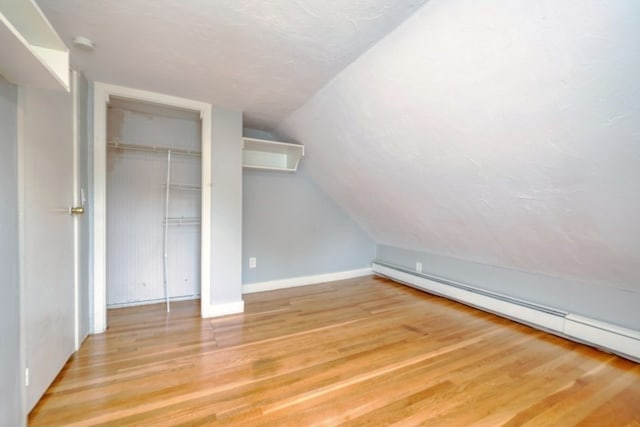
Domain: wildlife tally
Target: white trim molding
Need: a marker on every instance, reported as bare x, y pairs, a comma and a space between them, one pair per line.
623, 341
102, 94
602, 335
293, 282
216, 310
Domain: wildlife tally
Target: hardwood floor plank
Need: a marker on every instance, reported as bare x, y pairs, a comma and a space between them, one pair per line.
363, 351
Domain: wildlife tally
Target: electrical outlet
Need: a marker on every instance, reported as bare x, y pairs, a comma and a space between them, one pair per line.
252, 262
418, 266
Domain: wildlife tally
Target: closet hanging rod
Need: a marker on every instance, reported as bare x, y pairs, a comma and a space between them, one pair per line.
185, 187
153, 148
181, 220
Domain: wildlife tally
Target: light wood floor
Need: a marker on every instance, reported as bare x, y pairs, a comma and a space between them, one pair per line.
359, 352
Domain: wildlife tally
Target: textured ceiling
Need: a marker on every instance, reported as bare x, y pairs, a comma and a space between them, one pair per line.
501, 132
264, 57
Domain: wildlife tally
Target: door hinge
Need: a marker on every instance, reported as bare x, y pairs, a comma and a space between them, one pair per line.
26, 377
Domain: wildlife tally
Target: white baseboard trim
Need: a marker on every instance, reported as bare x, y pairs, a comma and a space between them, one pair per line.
215, 310
293, 282
623, 341
605, 336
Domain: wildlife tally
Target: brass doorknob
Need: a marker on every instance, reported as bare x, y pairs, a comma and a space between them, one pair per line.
76, 210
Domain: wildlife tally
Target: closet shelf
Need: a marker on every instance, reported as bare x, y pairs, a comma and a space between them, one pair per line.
32, 52
271, 155
181, 220
117, 145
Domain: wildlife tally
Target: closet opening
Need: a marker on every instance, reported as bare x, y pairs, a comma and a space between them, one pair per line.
153, 204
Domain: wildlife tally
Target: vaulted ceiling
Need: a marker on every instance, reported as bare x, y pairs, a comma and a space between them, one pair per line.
499, 131
495, 131
264, 57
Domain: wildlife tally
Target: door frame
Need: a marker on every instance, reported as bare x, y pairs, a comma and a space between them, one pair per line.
102, 93
80, 268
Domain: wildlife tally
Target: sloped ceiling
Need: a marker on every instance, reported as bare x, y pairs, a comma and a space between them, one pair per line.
496, 131
504, 132
264, 57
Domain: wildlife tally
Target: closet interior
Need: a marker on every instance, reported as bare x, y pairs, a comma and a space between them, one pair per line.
153, 203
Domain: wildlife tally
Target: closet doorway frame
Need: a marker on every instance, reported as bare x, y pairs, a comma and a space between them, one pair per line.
102, 93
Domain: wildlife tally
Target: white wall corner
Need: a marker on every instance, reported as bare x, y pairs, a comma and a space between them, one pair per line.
216, 310
293, 282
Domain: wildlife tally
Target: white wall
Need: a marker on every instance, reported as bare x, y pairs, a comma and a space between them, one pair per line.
226, 211
11, 411
572, 296
294, 229
497, 132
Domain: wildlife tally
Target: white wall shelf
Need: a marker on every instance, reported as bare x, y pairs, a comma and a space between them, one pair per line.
271, 155
31, 52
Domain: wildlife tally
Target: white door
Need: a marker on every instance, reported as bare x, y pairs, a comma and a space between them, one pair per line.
47, 250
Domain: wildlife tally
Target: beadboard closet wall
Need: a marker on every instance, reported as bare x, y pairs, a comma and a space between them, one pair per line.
153, 204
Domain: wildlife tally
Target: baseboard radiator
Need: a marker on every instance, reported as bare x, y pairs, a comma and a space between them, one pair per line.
604, 336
